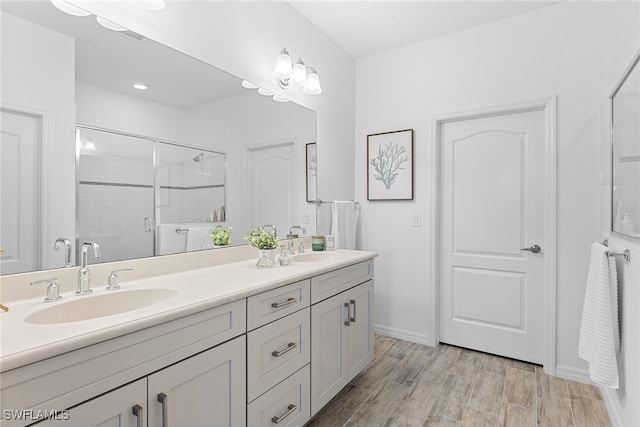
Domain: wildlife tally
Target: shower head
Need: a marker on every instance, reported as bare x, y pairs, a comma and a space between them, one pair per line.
198, 157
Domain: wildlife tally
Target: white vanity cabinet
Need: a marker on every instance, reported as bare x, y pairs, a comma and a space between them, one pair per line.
123, 407
342, 331
206, 389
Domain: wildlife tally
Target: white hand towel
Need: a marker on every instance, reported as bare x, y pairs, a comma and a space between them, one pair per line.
343, 225
599, 333
198, 238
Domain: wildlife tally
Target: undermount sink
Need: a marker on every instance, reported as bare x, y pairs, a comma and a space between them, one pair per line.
312, 257
93, 307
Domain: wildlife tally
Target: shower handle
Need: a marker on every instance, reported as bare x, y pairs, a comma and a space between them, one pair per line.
534, 249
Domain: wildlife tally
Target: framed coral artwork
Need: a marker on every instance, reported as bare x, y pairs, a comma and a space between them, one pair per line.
390, 165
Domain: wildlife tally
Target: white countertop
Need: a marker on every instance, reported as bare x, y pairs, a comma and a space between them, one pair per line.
22, 343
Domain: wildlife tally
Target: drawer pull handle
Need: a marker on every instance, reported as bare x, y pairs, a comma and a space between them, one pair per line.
289, 301
138, 412
348, 307
290, 347
290, 410
163, 399
353, 319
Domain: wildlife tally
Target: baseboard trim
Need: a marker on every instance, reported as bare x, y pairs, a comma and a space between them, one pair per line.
612, 403
404, 335
571, 373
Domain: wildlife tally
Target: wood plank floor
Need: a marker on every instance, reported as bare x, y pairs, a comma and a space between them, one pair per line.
412, 385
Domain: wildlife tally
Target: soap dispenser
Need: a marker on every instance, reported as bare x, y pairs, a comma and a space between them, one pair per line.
627, 224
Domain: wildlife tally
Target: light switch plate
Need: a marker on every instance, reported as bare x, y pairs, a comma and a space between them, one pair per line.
416, 219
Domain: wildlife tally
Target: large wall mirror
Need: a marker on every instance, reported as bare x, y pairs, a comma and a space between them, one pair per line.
88, 157
625, 152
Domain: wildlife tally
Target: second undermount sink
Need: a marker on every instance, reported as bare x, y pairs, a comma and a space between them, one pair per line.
93, 307
312, 257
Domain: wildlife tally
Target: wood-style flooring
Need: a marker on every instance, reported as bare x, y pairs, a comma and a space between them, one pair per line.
412, 385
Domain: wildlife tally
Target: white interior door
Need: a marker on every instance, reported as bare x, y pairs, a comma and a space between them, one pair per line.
492, 206
272, 187
20, 189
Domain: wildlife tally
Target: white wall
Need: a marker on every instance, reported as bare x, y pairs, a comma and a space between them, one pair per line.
27, 50
558, 50
244, 38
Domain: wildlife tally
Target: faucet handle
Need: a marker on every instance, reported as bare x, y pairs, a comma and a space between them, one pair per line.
113, 279
53, 290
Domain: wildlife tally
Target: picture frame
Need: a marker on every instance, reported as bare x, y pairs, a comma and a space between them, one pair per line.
390, 165
312, 170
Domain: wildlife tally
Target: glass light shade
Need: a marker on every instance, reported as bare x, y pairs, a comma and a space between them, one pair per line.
280, 98
264, 92
69, 8
248, 85
110, 25
282, 69
312, 87
299, 78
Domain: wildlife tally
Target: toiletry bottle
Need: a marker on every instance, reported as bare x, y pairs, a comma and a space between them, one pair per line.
627, 224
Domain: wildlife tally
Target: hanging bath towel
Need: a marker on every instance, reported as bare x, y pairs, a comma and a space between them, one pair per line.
343, 226
599, 333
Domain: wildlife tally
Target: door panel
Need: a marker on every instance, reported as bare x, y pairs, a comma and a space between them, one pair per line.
272, 191
20, 188
491, 292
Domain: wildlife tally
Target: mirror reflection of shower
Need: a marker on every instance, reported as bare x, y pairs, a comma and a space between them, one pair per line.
199, 158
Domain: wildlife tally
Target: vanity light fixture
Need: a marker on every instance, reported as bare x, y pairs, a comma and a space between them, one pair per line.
140, 86
296, 74
69, 8
249, 85
264, 92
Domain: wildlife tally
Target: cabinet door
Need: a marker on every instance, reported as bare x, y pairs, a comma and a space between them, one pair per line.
113, 409
329, 370
208, 389
360, 328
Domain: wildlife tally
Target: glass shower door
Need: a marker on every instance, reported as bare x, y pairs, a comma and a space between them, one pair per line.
115, 194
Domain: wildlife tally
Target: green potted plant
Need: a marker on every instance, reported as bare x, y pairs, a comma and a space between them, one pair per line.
265, 241
221, 236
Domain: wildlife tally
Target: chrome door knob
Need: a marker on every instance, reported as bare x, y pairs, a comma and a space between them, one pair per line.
534, 248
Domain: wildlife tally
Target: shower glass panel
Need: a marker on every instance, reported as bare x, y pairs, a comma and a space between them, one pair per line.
625, 150
191, 197
115, 194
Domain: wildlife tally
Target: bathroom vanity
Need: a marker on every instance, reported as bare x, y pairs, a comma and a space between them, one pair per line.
228, 345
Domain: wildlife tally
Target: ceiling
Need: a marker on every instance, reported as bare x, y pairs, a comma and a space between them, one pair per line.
365, 28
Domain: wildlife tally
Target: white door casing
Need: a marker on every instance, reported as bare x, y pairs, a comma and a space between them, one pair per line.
494, 186
20, 155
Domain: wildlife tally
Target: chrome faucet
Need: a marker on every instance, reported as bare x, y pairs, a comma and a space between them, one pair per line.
273, 227
294, 227
67, 245
84, 275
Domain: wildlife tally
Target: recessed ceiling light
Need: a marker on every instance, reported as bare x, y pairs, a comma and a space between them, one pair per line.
110, 25
69, 8
140, 86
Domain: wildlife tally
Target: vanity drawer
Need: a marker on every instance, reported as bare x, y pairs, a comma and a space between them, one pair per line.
332, 283
276, 303
291, 398
277, 350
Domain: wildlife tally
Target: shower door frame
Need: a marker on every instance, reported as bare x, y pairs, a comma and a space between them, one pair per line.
156, 186
548, 106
